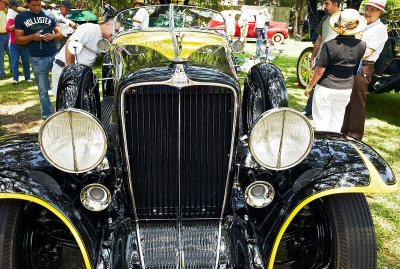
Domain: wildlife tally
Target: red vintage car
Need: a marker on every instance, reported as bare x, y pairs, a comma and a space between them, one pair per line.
277, 32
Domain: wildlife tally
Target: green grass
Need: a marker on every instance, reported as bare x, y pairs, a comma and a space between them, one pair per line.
19, 105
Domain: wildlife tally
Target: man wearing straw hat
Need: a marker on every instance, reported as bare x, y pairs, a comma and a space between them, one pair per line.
333, 76
375, 36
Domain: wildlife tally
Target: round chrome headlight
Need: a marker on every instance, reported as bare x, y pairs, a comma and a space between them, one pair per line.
73, 141
281, 138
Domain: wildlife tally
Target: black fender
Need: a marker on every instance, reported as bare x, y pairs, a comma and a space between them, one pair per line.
26, 175
268, 79
335, 165
78, 88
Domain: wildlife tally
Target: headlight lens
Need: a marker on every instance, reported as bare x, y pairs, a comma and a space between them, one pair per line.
281, 138
73, 141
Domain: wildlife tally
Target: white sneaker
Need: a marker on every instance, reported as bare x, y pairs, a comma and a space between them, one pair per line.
29, 80
50, 92
14, 82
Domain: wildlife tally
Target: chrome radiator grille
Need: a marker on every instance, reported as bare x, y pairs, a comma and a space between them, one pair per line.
178, 139
199, 244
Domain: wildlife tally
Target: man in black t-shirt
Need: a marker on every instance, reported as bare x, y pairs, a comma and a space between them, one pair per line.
38, 31
335, 69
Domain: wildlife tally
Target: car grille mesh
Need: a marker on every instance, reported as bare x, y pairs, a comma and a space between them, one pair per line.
178, 139
199, 244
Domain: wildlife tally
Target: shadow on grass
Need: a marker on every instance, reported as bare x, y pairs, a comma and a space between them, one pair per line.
25, 119
384, 106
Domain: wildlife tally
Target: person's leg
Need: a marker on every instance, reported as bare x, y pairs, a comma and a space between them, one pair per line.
308, 108
245, 31
14, 59
6, 45
25, 62
41, 67
340, 99
354, 120
258, 42
3, 39
321, 108
55, 77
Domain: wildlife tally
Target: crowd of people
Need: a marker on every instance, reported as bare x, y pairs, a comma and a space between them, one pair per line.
38, 35
343, 59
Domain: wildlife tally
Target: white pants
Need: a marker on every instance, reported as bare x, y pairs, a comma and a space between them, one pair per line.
55, 77
328, 108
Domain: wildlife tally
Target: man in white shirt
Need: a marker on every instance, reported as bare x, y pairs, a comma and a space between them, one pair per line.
243, 23
67, 26
375, 36
141, 18
89, 35
260, 24
230, 26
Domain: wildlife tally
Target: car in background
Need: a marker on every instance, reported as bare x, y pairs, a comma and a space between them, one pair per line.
277, 32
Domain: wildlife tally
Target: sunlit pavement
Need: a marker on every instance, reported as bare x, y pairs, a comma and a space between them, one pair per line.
290, 47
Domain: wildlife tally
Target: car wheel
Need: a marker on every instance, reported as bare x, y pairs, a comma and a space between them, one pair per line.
304, 71
264, 88
78, 89
106, 71
334, 232
33, 237
278, 38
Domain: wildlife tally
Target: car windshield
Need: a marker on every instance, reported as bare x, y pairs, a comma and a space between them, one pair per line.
168, 17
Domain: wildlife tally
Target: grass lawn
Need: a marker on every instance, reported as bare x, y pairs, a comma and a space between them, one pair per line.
20, 113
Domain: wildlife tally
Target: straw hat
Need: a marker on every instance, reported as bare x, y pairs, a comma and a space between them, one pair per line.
380, 4
348, 22
139, 2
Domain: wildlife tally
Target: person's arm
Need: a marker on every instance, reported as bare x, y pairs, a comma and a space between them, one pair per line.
22, 39
315, 51
71, 23
57, 34
318, 72
10, 26
368, 52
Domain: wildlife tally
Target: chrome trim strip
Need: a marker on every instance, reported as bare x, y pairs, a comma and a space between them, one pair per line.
139, 245
178, 210
219, 243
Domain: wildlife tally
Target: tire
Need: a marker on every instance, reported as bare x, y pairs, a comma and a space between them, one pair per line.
28, 239
303, 69
9, 210
278, 38
264, 88
106, 72
334, 232
78, 89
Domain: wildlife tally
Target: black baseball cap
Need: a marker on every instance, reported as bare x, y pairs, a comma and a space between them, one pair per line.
66, 4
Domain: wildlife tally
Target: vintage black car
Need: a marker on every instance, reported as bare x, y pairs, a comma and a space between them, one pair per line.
176, 167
